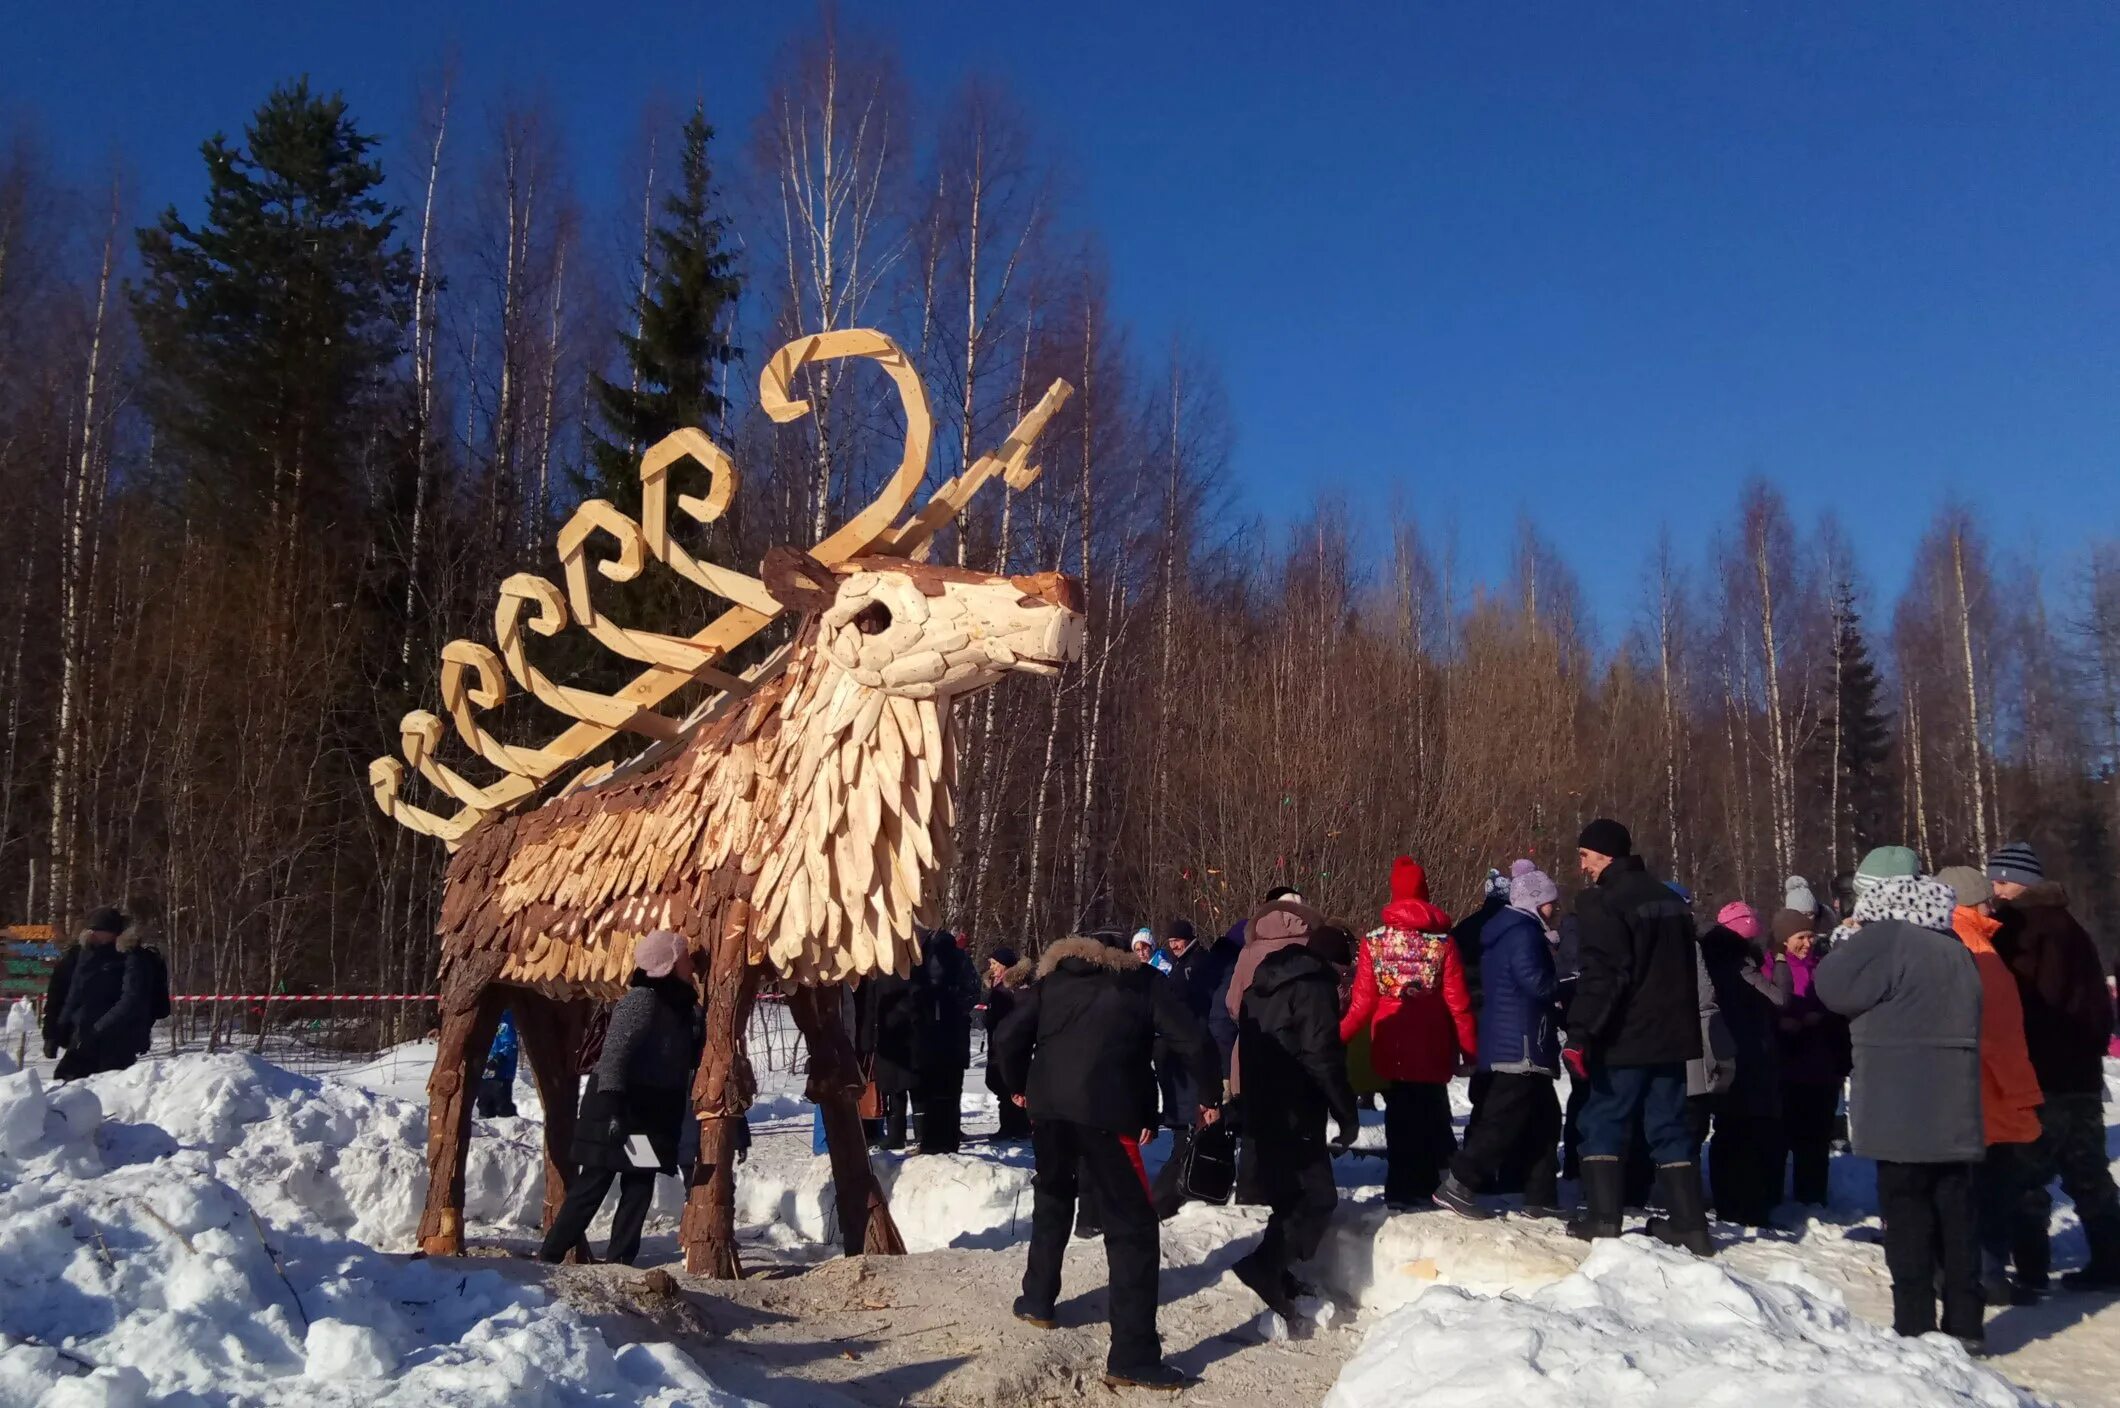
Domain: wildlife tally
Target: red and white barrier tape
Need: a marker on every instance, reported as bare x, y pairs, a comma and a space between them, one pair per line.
305, 997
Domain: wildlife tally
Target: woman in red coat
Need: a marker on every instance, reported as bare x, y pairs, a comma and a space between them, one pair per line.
1410, 996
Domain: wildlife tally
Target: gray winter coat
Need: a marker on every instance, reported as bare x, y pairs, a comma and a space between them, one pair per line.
1913, 995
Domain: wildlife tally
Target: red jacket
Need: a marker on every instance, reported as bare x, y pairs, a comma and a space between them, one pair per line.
1409, 989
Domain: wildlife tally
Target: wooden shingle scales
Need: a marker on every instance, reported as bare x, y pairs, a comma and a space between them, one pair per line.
793, 829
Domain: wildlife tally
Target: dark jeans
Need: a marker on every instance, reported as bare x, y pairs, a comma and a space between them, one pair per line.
896, 1107
1572, 1129
1807, 1114
496, 1098
2003, 1205
1745, 1160
585, 1194
1930, 1225
1520, 1119
1295, 1182
1621, 1094
1073, 1159
2072, 1147
1418, 1140
942, 1113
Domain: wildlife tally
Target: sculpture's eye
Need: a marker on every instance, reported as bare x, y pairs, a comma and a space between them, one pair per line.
873, 619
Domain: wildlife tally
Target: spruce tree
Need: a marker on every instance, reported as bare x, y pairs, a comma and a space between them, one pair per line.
272, 328
1865, 731
684, 340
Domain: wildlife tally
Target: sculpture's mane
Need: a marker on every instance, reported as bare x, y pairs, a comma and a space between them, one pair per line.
798, 796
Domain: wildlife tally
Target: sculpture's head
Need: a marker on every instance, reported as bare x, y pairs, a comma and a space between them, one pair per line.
925, 632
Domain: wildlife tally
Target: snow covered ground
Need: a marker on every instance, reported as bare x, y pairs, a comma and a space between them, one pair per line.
212, 1229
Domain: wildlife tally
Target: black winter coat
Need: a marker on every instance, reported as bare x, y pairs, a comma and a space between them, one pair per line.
1295, 1069
2068, 1014
1081, 1043
1467, 934
1637, 998
112, 994
886, 1018
1202, 970
1751, 1004
945, 990
641, 1080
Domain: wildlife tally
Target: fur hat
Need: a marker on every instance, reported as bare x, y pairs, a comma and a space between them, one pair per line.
1740, 919
1607, 837
1408, 880
657, 953
1530, 887
1971, 887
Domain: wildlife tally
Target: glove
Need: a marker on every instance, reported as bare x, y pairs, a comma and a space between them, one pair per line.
1576, 1061
1344, 1140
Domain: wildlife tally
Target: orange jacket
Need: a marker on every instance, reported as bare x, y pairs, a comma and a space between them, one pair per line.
2009, 1089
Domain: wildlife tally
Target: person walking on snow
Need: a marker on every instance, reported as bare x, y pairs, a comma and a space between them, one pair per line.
1519, 1053
1294, 1078
105, 996
1410, 996
1221, 1012
2068, 1020
1745, 1155
1815, 1059
1634, 1024
1912, 995
1080, 1045
636, 1093
2009, 1093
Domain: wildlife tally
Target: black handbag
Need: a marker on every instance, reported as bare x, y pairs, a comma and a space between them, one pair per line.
1210, 1174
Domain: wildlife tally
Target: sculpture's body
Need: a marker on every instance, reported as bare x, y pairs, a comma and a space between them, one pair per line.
791, 830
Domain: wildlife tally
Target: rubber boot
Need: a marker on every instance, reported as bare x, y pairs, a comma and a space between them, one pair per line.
1604, 1184
1686, 1225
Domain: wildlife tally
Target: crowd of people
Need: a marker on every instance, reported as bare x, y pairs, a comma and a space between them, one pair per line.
1964, 1016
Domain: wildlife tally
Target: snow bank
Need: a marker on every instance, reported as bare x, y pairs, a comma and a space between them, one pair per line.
1646, 1325
194, 1249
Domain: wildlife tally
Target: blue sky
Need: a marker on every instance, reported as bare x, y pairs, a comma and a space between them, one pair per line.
1594, 262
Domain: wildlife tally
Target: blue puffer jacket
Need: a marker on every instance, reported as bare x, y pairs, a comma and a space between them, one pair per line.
1517, 1027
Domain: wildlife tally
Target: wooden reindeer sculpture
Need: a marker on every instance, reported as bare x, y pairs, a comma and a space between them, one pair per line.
791, 830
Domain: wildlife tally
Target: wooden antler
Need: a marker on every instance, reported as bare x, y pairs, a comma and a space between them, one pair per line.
672, 661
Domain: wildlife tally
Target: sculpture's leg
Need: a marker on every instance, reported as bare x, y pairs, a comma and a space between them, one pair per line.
470, 1013
551, 1033
865, 1223
720, 1096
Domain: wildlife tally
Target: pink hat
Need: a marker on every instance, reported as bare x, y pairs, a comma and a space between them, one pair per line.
657, 953
1740, 919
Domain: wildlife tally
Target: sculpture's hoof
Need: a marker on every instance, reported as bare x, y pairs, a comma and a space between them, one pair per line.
442, 1244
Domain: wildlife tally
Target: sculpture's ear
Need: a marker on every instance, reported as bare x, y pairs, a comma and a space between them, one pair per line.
798, 581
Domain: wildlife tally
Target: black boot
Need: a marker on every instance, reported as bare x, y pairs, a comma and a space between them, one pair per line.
1687, 1224
1604, 1183
2033, 1254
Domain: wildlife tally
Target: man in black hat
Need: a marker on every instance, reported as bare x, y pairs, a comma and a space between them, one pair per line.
105, 997
1633, 1026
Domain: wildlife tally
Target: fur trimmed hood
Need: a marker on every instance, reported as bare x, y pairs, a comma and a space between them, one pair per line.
1089, 951
1019, 974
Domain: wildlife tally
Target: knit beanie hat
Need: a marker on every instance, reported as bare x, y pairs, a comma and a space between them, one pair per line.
1530, 887
1408, 880
1971, 886
657, 953
2018, 863
1740, 919
1796, 894
107, 920
1496, 884
1005, 956
1144, 937
1179, 929
1607, 837
1284, 892
1885, 863
1788, 923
